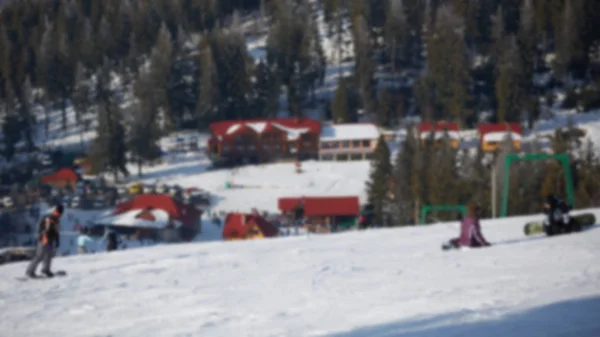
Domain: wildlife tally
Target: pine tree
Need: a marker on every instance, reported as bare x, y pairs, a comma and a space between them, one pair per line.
444, 178
209, 94
397, 34
265, 90
27, 115
418, 185
498, 33
569, 49
402, 176
293, 52
108, 150
364, 65
386, 108
342, 107
508, 84
161, 62
587, 192
82, 94
10, 130
57, 70
144, 134
378, 186
527, 49
449, 65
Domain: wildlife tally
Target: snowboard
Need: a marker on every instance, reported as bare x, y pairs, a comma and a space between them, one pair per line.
581, 221
60, 273
448, 246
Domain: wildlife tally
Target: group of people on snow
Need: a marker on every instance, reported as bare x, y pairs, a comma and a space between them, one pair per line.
557, 221
48, 241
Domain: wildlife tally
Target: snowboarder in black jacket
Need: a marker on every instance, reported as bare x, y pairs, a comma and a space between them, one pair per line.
48, 236
557, 219
112, 241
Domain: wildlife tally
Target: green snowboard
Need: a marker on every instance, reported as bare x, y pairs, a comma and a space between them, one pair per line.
581, 221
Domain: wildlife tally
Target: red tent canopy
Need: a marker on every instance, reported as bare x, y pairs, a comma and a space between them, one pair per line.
187, 214
64, 174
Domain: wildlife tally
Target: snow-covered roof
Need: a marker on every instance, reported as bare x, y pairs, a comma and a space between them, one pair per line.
359, 131
293, 127
233, 128
130, 219
258, 127
500, 136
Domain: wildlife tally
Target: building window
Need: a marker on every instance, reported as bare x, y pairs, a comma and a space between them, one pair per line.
327, 157
342, 157
356, 144
345, 144
366, 143
356, 156
369, 155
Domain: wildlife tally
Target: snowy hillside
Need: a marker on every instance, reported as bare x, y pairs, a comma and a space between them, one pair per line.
390, 282
260, 186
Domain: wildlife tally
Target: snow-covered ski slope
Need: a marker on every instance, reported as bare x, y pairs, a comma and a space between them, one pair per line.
377, 283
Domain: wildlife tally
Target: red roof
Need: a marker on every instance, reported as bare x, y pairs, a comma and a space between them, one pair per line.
63, 174
236, 225
323, 206
500, 127
229, 128
440, 126
188, 215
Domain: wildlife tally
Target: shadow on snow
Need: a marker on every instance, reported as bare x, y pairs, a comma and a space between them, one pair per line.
569, 318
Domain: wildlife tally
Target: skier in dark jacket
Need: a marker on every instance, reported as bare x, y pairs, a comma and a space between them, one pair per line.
557, 218
112, 241
48, 231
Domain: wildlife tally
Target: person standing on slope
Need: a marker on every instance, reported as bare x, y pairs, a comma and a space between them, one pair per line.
470, 230
48, 241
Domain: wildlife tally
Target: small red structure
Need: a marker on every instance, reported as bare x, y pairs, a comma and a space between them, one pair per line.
492, 135
241, 226
332, 212
426, 128
189, 216
62, 178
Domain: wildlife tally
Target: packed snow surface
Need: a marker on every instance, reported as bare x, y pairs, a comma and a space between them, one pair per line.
376, 283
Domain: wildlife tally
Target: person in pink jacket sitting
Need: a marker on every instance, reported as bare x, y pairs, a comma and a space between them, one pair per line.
470, 231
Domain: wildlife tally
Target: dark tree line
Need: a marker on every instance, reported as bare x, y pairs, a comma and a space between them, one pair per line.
432, 172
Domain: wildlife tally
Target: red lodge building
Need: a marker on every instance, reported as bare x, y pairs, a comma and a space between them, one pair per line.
264, 140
